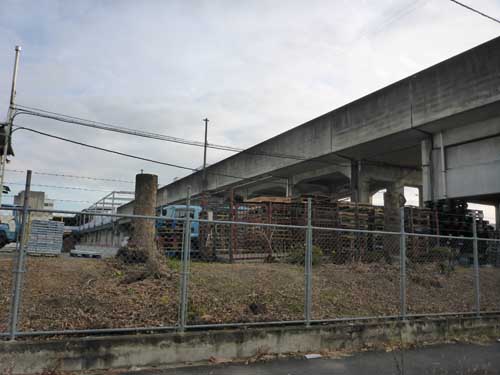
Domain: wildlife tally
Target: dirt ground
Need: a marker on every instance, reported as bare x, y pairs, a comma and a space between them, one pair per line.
74, 293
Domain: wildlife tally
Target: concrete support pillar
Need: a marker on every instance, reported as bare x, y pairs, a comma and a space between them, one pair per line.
289, 187
497, 215
360, 186
420, 197
393, 201
364, 193
427, 183
354, 181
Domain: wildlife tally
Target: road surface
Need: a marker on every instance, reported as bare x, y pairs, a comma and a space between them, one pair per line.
447, 359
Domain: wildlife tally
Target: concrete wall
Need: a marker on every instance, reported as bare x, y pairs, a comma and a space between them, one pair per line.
92, 353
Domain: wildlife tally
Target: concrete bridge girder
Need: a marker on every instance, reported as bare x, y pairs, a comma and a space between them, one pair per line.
386, 126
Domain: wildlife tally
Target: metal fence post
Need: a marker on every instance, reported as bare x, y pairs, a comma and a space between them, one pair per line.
402, 265
20, 266
186, 250
477, 291
308, 265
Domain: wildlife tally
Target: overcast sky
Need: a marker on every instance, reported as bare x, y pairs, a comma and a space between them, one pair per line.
254, 68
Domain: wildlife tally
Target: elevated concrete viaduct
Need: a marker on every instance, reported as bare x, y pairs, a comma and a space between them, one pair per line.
438, 130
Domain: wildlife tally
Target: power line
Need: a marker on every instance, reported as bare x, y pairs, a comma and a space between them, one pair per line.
390, 18
52, 199
32, 111
60, 187
54, 174
247, 179
125, 154
476, 11
116, 128
110, 127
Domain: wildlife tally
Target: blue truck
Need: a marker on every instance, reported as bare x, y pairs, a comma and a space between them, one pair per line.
169, 232
8, 232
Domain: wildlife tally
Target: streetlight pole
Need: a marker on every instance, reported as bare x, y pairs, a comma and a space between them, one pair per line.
10, 118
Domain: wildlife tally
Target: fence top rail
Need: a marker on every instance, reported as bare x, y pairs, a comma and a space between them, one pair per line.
406, 234
245, 223
89, 213
452, 237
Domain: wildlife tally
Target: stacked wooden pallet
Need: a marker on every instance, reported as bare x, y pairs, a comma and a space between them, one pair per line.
446, 218
169, 236
418, 221
246, 241
45, 237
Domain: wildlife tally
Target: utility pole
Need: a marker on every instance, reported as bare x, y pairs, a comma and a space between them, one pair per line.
10, 119
205, 153
204, 176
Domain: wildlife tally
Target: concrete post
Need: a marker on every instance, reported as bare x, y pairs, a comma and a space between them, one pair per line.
143, 238
360, 186
289, 186
442, 158
497, 215
364, 193
427, 188
393, 201
355, 166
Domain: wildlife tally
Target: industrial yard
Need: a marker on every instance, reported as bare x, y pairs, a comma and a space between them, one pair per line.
233, 180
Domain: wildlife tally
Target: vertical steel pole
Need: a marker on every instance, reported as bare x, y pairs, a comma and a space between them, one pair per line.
10, 119
204, 183
231, 228
476, 267
19, 270
186, 249
402, 265
308, 265
205, 153
113, 220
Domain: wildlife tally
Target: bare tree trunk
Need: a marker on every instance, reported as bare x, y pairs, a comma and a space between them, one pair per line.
144, 232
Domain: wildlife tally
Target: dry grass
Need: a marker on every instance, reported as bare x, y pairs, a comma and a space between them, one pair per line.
68, 293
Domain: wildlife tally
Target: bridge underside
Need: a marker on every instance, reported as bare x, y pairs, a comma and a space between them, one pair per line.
437, 130
471, 169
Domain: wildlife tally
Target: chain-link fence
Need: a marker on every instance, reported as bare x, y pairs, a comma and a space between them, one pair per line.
489, 274
117, 272
6, 275
101, 275
440, 274
355, 274
256, 274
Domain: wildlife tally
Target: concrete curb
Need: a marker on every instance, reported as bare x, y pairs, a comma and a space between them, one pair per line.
145, 350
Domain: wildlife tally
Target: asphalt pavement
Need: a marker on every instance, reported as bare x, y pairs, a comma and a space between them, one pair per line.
470, 359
